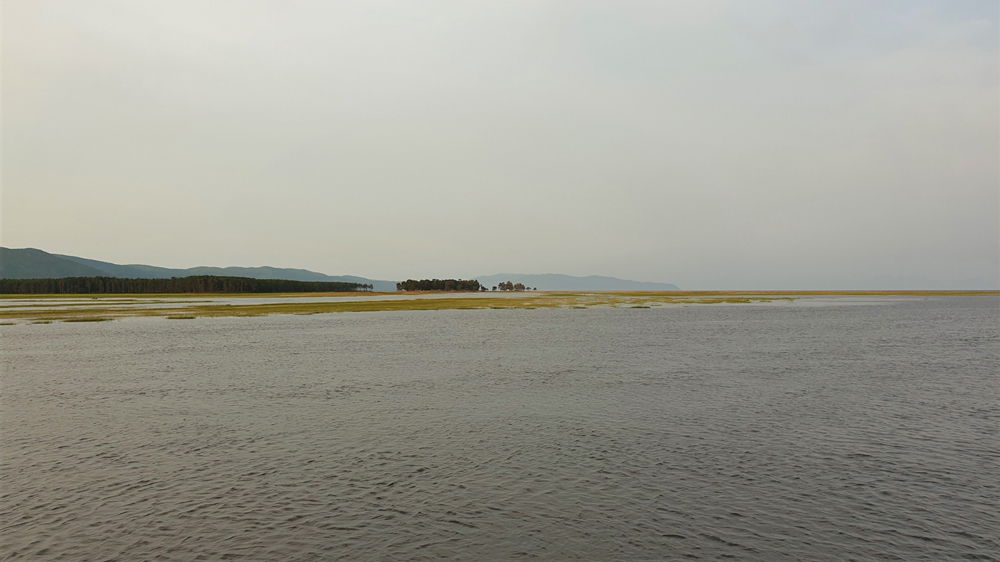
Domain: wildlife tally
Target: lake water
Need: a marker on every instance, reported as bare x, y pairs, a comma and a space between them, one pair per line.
763, 432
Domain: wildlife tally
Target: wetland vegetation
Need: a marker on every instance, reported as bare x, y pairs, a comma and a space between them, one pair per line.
33, 309
105, 309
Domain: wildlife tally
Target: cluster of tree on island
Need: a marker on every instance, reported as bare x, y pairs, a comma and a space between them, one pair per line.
193, 284
456, 285
508, 286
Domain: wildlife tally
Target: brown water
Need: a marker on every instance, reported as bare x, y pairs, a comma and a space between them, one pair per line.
827, 432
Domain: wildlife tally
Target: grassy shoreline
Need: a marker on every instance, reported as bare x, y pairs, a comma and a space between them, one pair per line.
188, 306
83, 296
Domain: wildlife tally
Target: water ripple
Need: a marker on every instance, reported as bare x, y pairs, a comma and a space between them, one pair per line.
761, 433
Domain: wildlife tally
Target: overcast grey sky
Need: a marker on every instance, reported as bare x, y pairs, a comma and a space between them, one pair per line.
711, 144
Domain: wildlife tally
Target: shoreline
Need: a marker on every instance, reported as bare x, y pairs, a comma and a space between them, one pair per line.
43, 309
935, 292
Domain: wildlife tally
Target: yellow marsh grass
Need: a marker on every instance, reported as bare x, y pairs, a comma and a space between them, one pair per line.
89, 312
71, 313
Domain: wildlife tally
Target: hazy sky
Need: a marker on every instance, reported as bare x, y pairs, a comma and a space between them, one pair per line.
715, 145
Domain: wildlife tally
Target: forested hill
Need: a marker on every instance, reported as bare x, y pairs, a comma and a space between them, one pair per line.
29, 263
193, 284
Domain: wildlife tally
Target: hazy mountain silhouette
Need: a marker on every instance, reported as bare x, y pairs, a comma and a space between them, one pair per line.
557, 282
29, 263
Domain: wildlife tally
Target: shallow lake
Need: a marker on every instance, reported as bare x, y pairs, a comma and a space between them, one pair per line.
760, 432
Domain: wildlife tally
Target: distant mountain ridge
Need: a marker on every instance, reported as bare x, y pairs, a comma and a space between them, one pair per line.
30, 263
558, 282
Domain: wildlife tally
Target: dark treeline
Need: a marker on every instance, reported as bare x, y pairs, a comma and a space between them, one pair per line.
456, 285
508, 286
439, 285
193, 284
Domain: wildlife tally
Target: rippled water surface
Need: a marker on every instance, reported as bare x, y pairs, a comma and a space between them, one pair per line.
828, 432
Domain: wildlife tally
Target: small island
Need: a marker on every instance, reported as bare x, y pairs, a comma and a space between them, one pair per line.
464, 285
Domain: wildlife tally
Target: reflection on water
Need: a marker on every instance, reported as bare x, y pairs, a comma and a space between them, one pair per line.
769, 432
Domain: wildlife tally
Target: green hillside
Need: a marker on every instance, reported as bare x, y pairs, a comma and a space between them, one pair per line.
29, 263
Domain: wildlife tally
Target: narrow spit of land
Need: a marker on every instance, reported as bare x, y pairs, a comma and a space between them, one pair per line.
19, 309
